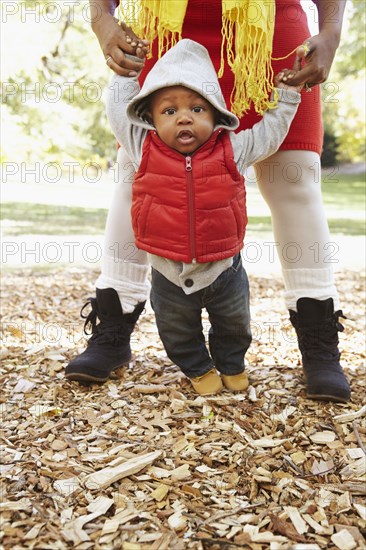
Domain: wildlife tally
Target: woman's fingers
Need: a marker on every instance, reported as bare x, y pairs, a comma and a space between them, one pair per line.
297, 66
123, 65
304, 49
119, 40
298, 78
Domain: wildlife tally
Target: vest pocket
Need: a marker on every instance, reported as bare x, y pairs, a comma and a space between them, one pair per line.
141, 221
239, 210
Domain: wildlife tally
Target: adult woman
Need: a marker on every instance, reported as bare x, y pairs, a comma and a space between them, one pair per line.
295, 202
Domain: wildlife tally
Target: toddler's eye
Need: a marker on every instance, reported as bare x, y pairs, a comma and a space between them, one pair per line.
197, 109
169, 111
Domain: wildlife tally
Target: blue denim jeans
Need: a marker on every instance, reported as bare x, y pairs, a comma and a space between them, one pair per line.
179, 322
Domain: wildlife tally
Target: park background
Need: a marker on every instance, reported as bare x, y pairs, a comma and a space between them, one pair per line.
265, 462
57, 146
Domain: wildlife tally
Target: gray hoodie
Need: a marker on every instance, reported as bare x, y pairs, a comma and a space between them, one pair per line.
188, 64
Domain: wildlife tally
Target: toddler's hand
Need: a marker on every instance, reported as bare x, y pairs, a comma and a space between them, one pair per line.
141, 48
280, 80
284, 77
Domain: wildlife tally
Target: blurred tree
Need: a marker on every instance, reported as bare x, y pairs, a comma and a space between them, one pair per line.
343, 107
351, 54
57, 104
330, 145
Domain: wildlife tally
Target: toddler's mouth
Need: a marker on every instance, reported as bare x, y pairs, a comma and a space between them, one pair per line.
185, 136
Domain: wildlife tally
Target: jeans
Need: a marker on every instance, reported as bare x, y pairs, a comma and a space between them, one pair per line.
179, 322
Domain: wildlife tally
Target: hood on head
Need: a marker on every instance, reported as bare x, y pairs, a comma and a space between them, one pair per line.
186, 64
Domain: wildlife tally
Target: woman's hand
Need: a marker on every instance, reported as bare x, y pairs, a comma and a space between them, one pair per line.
117, 40
316, 56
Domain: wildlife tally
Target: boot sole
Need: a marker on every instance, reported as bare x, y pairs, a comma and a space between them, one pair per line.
332, 398
83, 377
75, 377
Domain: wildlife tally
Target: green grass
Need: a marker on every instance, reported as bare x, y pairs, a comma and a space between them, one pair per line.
345, 193
345, 226
40, 219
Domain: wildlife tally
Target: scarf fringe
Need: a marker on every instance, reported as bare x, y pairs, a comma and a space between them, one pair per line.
147, 23
250, 62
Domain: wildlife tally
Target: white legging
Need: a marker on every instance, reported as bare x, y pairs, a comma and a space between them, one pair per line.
290, 184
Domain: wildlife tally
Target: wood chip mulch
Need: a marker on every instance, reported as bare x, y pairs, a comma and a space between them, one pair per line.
142, 462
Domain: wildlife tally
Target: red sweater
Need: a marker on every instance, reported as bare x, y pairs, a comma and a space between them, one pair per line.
189, 207
202, 23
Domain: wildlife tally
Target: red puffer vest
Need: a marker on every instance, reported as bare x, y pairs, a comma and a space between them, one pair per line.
189, 208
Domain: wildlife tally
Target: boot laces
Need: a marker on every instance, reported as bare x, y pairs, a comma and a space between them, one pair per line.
336, 316
315, 341
91, 318
106, 331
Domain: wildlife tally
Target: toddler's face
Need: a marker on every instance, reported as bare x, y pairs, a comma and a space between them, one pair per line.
183, 119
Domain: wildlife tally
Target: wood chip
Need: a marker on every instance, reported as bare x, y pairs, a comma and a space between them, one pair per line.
355, 452
151, 388
182, 472
24, 386
267, 442
349, 417
323, 437
355, 470
286, 528
361, 509
296, 519
45, 410
354, 531
160, 492
343, 540
177, 521
107, 476
181, 444
73, 531
34, 532
22, 504
322, 467
284, 415
298, 458
68, 486
59, 445
320, 529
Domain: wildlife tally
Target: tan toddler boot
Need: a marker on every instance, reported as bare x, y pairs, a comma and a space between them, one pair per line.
235, 382
207, 384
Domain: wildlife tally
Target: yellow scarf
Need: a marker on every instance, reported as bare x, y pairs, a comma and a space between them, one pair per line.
247, 34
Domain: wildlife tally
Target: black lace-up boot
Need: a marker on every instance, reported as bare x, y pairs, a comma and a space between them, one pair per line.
109, 346
317, 327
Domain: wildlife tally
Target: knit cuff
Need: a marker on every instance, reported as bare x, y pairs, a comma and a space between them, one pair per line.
288, 96
309, 283
129, 280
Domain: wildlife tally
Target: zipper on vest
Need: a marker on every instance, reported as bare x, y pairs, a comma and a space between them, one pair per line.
191, 217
